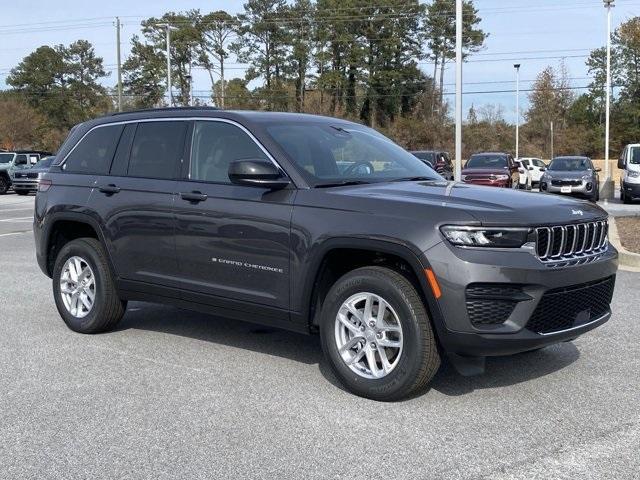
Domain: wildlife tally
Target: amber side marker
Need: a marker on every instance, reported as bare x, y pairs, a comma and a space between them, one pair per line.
433, 283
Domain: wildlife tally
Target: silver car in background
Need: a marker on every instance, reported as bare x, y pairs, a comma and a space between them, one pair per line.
572, 175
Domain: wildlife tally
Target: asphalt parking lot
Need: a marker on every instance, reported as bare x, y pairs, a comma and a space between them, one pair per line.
175, 394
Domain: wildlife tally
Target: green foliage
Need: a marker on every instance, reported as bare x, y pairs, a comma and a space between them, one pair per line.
62, 83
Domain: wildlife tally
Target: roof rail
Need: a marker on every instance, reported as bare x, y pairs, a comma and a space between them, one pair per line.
165, 109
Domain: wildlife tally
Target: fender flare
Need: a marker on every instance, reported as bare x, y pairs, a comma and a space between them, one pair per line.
80, 217
414, 259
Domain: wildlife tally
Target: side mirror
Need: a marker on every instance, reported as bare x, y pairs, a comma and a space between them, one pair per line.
597, 169
257, 173
530, 168
621, 164
542, 169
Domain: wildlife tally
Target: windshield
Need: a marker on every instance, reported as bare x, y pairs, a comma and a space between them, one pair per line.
327, 154
427, 156
569, 164
44, 163
6, 157
634, 155
487, 161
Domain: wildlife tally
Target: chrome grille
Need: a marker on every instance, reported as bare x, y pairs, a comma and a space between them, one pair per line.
568, 242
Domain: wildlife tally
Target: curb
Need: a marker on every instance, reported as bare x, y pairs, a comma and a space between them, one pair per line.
625, 257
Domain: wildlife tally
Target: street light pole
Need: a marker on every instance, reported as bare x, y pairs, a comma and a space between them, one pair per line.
119, 64
168, 53
608, 4
458, 166
517, 67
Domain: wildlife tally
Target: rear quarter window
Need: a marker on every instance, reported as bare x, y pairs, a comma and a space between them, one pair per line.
94, 152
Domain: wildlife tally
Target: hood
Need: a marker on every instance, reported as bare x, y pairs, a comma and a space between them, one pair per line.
485, 171
488, 205
568, 175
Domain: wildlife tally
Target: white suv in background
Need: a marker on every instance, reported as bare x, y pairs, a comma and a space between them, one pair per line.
535, 166
629, 163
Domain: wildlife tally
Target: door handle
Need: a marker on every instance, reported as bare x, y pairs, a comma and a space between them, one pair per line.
193, 196
109, 189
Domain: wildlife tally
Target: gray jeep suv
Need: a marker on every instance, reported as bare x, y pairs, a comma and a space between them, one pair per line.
316, 225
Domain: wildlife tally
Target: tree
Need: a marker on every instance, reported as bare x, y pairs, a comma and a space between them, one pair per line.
440, 33
300, 32
145, 72
20, 125
185, 39
62, 83
550, 101
263, 44
84, 71
216, 32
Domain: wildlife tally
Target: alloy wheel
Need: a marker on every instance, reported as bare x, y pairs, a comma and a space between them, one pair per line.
77, 286
368, 335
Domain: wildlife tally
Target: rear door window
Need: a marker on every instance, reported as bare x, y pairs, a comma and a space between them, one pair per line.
215, 146
93, 154
157, 149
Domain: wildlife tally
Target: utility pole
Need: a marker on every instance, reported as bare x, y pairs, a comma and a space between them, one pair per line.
119, 64
517, 67
608, 4
458, 166
190, 79
551, 140
168, 53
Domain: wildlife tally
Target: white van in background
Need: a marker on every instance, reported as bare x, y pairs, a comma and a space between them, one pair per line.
629, 162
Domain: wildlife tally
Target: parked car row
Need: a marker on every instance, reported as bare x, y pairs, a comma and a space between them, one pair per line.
15, 161
572, 175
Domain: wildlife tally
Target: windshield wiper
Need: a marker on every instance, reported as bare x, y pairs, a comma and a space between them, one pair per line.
341, 184
412, 179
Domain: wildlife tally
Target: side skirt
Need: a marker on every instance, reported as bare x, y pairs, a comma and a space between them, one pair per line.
212, 305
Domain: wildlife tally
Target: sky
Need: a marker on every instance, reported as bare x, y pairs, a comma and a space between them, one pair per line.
533, 33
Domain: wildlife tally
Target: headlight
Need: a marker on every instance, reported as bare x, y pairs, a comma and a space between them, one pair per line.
633, 174
485, 236
586, 178
501, 177
463, 178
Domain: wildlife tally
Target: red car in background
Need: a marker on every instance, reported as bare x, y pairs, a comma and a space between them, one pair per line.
491, 169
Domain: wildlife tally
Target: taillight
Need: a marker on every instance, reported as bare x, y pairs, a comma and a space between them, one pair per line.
44, 185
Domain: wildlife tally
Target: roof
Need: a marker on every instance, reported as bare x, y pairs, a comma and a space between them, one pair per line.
490, 153
249, 115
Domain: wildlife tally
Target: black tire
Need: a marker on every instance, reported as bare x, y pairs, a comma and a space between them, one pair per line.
625, 198
419, 360
4, 185
107, 309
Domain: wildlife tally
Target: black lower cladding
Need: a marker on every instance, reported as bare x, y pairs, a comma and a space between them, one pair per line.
492, 304
567, 307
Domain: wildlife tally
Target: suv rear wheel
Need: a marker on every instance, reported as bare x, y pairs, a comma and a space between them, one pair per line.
83, 288
377, 336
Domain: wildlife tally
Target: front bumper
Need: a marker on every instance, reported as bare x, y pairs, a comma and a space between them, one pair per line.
575, 189
25, 184
456, 269
489, 183
631, 189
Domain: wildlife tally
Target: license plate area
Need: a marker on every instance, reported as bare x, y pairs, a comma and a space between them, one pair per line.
565, 189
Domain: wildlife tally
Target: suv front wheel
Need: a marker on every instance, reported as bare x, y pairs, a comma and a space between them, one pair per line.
376, 334
83, 288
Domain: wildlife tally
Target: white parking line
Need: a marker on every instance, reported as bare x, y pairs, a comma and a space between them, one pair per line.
16, 219
2, 210
14, 233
